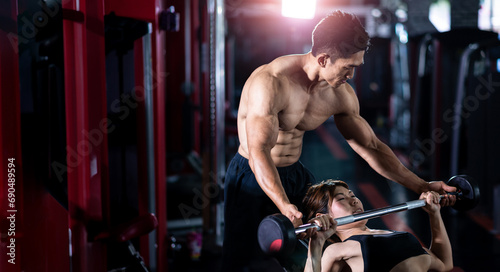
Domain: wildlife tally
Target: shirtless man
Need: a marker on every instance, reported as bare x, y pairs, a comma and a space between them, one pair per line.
280, 101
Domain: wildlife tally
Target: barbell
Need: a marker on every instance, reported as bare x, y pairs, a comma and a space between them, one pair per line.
277, 235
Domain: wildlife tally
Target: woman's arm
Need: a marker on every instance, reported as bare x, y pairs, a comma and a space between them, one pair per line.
314, 253
440, 243
317, 241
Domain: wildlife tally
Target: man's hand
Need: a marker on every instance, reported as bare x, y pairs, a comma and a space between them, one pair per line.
442, 188
293, 214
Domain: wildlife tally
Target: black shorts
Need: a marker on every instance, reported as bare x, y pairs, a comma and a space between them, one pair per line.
246, 204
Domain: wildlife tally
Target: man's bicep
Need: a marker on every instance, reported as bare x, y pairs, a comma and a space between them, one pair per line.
355, 129
262, 131
264, 103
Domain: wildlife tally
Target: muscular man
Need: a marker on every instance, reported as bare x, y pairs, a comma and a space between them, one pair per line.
280, 101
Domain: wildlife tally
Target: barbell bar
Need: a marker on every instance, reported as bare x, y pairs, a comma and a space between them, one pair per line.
368, 214
277, 235
409, 205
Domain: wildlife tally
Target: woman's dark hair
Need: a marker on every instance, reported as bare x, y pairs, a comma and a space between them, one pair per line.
340, 34
319, 198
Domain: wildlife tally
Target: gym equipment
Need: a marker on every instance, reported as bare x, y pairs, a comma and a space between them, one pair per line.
277, 235
119, 238
468, 193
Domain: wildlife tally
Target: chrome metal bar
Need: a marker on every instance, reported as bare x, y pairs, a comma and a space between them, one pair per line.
305, 227
368, 214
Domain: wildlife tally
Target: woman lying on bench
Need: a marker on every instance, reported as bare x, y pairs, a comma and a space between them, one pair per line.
355, 247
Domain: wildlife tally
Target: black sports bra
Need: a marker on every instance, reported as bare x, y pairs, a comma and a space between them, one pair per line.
381, 252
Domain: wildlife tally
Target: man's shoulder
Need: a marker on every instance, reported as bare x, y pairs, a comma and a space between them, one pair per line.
281, 71
270, 75
263, 77
283, 66
346, 100
346, 90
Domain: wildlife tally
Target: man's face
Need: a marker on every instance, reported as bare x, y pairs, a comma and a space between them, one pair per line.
339, 70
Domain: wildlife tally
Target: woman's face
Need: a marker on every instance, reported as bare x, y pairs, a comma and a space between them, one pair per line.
345, 203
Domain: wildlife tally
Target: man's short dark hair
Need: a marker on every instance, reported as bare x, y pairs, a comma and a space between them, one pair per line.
339, 34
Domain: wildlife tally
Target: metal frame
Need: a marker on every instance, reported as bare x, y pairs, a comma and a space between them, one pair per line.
85, 90
85, 109
220, 98
215, 166
460, 95
154, 72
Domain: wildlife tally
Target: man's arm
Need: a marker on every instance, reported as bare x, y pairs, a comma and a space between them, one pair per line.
262, 128
379, 156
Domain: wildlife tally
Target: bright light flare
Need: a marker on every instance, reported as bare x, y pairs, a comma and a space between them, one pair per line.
439, 15
301, 9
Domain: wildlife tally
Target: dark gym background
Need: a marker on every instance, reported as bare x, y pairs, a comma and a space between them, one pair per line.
114, 111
